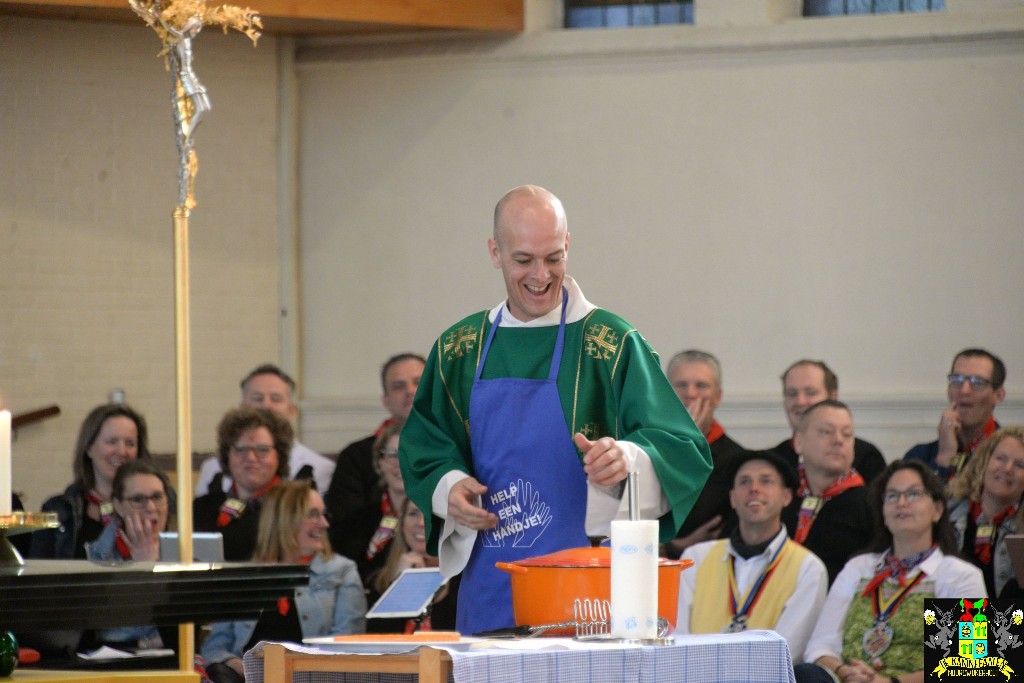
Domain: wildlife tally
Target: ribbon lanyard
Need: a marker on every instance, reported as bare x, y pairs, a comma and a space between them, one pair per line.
755, 590
986, 531
106, 507
809, 510
883, 609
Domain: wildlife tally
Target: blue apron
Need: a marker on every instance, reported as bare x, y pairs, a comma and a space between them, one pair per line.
524, 454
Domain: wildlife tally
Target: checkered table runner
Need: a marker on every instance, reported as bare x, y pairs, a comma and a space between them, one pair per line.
751, 657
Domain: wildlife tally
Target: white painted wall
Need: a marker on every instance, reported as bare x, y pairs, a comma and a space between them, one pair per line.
846, 189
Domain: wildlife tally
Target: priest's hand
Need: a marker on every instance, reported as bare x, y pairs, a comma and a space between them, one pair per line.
463, 507
603, 461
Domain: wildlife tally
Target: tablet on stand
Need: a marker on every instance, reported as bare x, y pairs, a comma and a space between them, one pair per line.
410, 595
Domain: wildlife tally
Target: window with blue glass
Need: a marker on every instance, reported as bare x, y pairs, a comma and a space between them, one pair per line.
621, 13
832, 8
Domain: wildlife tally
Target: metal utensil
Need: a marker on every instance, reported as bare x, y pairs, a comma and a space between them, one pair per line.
524, 631
633, 491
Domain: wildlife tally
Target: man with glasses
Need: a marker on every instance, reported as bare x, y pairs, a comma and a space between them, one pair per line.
270, 387
974, 389
829, 514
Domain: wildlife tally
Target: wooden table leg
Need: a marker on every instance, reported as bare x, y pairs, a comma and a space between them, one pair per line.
275, 664
432, 667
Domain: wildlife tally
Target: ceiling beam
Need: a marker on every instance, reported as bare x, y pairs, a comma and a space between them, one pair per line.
317, 16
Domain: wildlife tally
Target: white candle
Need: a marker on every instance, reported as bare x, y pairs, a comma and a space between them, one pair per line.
5, 462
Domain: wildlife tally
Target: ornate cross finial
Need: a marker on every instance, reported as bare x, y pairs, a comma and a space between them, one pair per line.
177, 22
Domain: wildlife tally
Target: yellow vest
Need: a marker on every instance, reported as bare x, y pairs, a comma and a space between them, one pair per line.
711, 613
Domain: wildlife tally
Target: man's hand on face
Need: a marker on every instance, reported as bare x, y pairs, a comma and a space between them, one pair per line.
949, 428
703, 413
463, 508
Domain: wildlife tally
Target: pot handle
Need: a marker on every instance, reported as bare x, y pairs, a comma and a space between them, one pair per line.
511, 568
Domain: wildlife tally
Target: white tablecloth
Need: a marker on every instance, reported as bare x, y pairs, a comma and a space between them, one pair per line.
751, 657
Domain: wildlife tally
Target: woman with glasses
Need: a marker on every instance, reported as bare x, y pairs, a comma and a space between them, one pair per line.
292, 529
871, 627
408, 550
110, 436
366, 533
985, 506
141, 496
250, 444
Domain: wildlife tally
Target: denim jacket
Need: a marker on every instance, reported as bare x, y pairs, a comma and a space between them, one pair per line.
334, 603
103, 550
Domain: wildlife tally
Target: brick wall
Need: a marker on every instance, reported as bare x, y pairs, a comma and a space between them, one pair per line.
87, 186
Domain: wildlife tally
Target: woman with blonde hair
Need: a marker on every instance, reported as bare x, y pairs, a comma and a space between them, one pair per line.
292, 529
985, 507
369, 528
408, 550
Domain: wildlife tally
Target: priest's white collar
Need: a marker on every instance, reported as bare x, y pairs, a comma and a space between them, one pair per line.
577, 308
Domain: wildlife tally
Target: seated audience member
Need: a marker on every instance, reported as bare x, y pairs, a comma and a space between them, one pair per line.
408, 550
985, 500
829, 514
250, 442
974, 389
292, 529
141, 497
805, 383
355, 486
370, 529
781, 585
110, 436
697, 378
883, 592
268, 386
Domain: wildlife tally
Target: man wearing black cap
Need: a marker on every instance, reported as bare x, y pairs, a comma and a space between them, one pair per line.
751, 580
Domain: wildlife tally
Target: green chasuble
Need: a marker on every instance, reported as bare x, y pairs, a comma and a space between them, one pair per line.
610, 384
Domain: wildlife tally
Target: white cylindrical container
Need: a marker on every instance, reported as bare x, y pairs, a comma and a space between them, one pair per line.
634, 579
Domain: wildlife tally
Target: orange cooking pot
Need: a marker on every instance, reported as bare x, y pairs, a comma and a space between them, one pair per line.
544, 588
